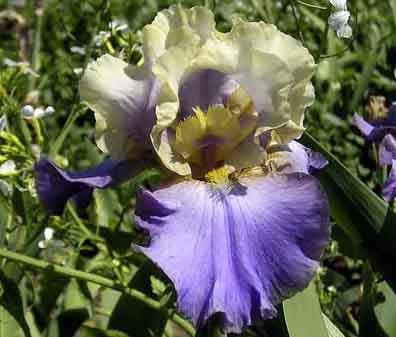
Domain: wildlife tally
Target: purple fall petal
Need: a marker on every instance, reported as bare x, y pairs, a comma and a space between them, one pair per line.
204, 88
389, 188
237, 250
387, 150
56, 186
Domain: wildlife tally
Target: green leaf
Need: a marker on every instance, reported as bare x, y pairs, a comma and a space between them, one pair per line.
86, 331
12, 317
134, 317
359, 212
386, 311
303, 314
32, 324
368, 323
392, 4
76, 309
332, 330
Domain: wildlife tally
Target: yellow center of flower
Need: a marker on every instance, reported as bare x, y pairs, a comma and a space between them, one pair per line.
376, 108
215, 133
219, 175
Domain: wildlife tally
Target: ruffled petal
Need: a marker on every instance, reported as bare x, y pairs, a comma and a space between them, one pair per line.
56, 186
238, 249
387, 150
389, 188
295, 157
273, 68
364, 127
176, 27
123, 98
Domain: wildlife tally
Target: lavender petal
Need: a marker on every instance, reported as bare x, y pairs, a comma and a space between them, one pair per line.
56, 186
237, 250
387, 150
389, 188
204, 88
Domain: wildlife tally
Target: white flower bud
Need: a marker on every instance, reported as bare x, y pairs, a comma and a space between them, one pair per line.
27, 112
49, 110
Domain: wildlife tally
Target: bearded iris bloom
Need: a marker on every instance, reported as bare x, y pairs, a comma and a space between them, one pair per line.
241, 223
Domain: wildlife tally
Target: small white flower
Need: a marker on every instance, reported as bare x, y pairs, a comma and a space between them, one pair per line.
78, 50
24, 66
101, 37
78, 71
7, 168
49, 110
29, 113
49, 240
338, 21
3, 123
118, 25
49, 233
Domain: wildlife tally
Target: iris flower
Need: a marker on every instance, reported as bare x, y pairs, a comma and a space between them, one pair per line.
380, 129
241, 223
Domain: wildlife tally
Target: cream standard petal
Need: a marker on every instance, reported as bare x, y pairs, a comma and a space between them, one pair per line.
176, 26
273, 68
123, 98
277, 76
228, 49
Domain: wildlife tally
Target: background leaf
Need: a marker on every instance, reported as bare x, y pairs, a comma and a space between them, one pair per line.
136, 318
303, 314
332, 330
12, 317
385, 310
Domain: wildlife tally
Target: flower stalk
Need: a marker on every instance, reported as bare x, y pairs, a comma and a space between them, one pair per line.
97, 279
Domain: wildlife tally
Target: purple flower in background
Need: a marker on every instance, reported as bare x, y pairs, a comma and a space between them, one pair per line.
56, 186
380, 131
389, 188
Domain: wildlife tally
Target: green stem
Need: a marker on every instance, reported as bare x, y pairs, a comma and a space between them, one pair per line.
296, 19
323, 40
36, 61
77, 109
93, 278
303, 3
264, 15
210, 4
78, 221
65, 131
